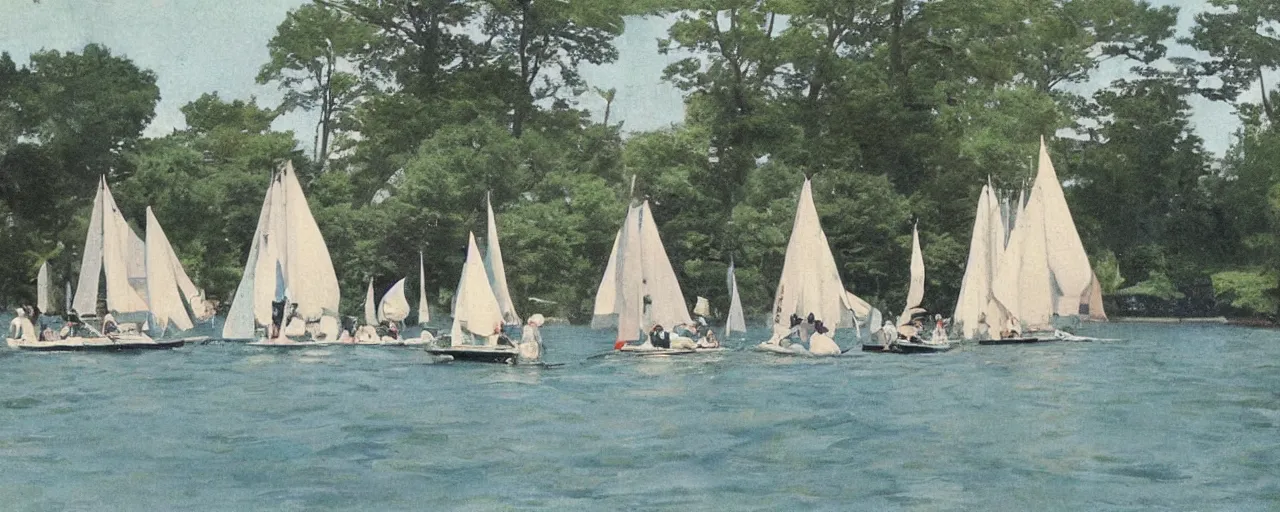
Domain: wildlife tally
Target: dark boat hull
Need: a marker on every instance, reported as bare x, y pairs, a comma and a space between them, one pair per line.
906, 348
1012, 341
114, 347
476, 355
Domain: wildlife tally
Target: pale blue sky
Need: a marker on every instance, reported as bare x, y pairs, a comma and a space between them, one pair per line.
198, 46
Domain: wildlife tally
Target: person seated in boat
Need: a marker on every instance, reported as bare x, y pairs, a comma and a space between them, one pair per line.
1011, 328
47, 334
708, 341
20, 327
393, 331
109, 325
659, 338
939, 330
982, 331
820, 343
277, 318
531, 339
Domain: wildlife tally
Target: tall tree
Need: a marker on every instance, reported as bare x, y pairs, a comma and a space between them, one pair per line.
313, 55
1243, 37
543, 43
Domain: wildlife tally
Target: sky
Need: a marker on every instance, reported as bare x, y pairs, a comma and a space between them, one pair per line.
199, 46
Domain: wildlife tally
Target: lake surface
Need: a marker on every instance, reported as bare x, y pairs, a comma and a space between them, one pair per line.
1173, 417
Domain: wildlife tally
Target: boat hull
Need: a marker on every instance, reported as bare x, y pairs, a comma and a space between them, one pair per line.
908, 348
501, 355
94, 345
1011, 341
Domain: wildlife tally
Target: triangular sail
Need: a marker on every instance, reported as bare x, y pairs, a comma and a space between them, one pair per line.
86, 299
1064, 251
629, 301
424, 313
497, 271
986, 243
915, 292
288, 239
810, 281
702, 307
605, 313
162, 286
240, 321
736, 320
659, 278
475, 308
394, 307
42, 287
370, 311
1094, 301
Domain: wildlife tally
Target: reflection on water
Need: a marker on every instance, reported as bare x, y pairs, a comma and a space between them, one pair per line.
1175, 417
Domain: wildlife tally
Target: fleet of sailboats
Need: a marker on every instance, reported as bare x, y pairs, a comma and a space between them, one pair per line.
1026, 266
1040, 271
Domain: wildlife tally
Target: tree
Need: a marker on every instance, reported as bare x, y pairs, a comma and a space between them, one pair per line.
1243, 37
308, 52
542, 43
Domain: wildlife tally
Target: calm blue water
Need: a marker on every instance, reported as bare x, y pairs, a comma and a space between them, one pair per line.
1175, 417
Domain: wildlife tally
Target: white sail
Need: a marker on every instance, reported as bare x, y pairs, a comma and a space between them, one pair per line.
1035, 283
975, 287
424, 314
86, 300
1065, 253
497, 271
915, 292
736, 320
394, 307
476, 309
702, 307
162, 284
605, 313
370, 310
286, 237
639, 288
243, 315
118, 255
42, 287
629, 301
310, 270
810, 281
659, 278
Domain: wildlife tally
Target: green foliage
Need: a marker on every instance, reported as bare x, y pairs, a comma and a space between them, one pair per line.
1157, 285
1107, 268
1251, 291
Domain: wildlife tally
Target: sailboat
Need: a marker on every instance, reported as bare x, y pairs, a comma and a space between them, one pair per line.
367, 333
915, 297
975, 309
736, 321
1044, 271
170, 292
288, 263
113, 250
810, 284
639, 290
393, 309
477, 317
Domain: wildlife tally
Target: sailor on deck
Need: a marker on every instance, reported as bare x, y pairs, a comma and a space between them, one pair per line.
531, 339
20, 328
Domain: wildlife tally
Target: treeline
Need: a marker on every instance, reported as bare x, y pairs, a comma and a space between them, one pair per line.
900, 110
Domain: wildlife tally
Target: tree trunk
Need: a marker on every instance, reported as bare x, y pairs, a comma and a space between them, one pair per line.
525, 97
1266, 102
